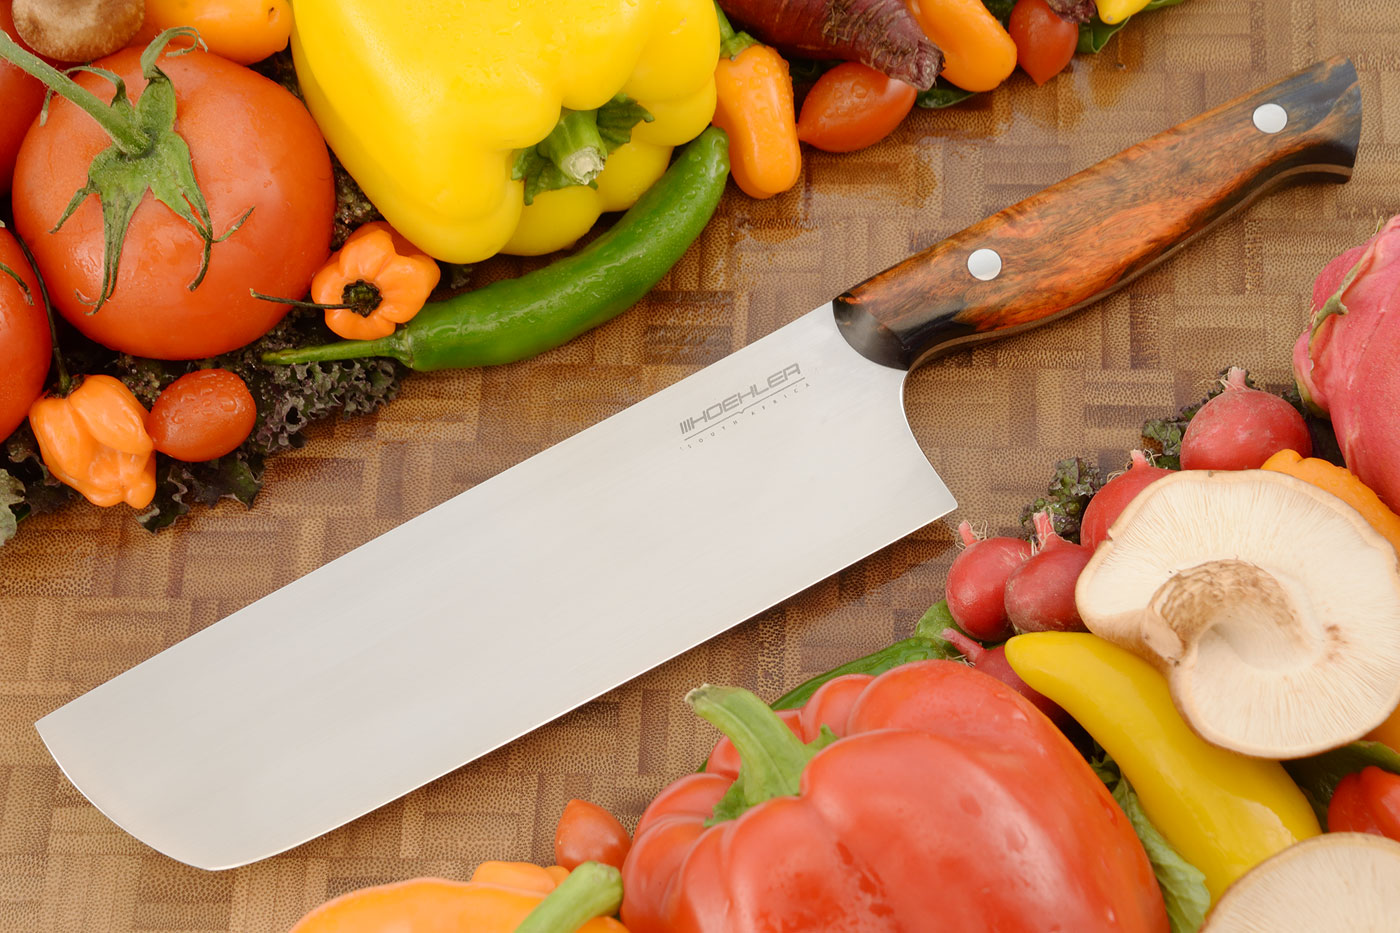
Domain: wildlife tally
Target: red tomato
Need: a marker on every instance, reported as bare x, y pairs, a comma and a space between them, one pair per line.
253, 145
588, 833
853, 106
202, 415
25, 347
22, 96
1045, 40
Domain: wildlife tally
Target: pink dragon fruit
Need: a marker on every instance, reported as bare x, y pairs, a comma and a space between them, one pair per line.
1347, 361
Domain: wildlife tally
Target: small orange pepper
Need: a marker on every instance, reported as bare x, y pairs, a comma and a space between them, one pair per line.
978, 53
498, 899
383, 278
754, 106
1343, 484
95, 441
243, 31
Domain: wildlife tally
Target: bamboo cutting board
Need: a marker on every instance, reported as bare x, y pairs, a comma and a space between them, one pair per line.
86, 594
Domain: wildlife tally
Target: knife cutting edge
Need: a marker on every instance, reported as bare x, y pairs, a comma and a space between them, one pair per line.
646, 534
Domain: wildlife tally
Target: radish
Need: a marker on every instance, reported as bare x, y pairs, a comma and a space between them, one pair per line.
1110, 501
1040, 593
992, 661
977, 583
1241, 428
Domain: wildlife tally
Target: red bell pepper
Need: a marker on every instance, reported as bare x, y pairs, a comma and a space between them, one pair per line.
930, 798
1366, 802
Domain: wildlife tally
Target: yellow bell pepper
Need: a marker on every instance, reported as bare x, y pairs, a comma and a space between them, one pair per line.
1115, 11
1223, 812
427, 102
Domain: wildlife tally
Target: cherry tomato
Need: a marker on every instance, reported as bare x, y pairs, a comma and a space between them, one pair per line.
22, 97
588, 833
853, 106
253, 145
1045, 40
25, 347
243, 31
202, 415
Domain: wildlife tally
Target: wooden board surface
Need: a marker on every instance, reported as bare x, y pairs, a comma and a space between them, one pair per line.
86, 594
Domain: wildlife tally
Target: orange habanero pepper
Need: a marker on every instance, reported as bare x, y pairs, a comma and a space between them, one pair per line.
755, 108
1343, 484
95, 441
502, 897
381, 278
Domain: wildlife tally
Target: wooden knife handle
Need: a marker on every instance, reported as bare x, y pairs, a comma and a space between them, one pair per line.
1094, 232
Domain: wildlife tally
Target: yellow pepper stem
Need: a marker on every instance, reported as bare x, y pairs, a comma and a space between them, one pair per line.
575, 147
591, 890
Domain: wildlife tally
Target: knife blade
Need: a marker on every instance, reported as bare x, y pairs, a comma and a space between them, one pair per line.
646, 534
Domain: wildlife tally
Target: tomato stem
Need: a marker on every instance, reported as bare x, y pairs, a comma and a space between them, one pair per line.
124, 129
65, 381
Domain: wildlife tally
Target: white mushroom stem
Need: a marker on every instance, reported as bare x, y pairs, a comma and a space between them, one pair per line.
1334, 883
1243, 605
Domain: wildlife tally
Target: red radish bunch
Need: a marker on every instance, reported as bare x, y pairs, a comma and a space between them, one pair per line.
1241, 428
1040, 593
977, 583
1110, 501
992, 661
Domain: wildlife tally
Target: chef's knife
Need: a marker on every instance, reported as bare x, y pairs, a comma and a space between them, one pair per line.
649, 533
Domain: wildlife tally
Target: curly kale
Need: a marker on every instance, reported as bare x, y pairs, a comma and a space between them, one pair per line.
289, 399
1073, 485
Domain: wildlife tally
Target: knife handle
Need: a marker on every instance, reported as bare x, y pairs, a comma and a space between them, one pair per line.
1094, 232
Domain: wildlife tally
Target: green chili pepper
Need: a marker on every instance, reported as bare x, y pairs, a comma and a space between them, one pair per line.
515, 319
923, 645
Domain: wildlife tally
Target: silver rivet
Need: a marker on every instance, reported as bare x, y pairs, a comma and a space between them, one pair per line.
984, 264
1270, 118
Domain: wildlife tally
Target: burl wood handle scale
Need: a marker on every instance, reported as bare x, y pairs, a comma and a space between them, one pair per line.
1094, 232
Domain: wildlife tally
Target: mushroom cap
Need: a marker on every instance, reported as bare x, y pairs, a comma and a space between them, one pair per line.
1272, 607
1333, 883
78, 30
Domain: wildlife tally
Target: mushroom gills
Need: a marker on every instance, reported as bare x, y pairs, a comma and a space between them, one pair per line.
1333, 883
1272, 607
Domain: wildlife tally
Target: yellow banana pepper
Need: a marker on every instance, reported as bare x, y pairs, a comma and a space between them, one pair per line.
1115, 11
428, 102
1222, 811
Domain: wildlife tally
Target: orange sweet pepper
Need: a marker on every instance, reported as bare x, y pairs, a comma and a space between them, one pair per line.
502, 897
755, 108
378, 279
978, 53
95, 441
1343, 484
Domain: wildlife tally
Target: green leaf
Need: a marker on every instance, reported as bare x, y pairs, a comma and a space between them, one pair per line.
1001, 9
11, 495
1094, 35
926, 644
936, 98
179, 486
1318, 776
1071, 487
808, 70
1183, 885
